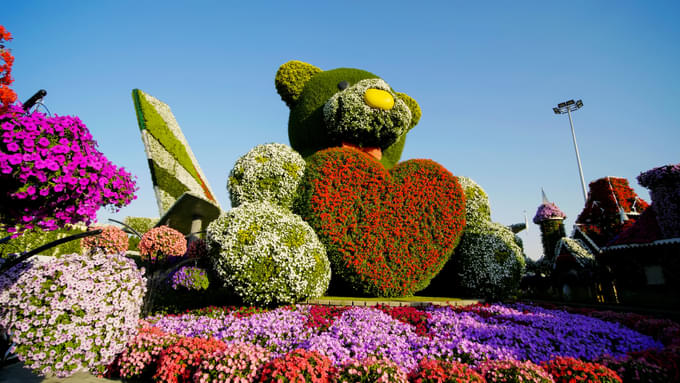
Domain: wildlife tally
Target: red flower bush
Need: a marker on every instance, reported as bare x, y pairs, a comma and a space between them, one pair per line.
111, 240
322, 317
569, 370
386, 233
179, 362
439, 371
7, 95
299, 366
161, 244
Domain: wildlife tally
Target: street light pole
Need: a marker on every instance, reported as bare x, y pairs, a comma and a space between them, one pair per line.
568, 107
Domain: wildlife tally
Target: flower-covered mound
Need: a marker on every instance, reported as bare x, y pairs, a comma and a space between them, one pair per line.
72, 313
472, 335
487, 262
162, 244
386, 233
268, 173
268, 255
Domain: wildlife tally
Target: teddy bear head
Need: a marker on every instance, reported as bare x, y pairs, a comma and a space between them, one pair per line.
345, 106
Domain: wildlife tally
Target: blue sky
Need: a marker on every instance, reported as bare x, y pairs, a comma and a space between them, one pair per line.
486, 75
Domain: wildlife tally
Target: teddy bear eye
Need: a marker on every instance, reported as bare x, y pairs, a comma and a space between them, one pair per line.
342, 85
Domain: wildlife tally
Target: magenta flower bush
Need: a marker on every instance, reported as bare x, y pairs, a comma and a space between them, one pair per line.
162, 244
111, 240
52, 174
238, 362
190, 278
667, 174
548, 211
73, 313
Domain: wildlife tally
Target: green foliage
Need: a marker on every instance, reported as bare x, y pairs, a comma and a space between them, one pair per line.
268, 255
152, 121
291, 79
141, 225
35, 238
552, 230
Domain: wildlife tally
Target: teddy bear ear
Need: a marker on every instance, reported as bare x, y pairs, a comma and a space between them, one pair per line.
291, 79
413, 106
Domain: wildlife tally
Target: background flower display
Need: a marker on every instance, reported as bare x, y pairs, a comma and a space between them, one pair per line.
664, 188
73, 313
268, 255
111, 240
162, 244
7, 95
268, 173
52, 173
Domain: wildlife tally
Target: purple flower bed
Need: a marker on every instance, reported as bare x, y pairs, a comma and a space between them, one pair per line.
517, 332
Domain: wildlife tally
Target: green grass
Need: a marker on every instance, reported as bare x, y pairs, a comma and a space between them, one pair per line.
399, 299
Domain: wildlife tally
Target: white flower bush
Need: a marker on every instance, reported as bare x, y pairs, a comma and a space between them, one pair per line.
577, 249
477, 207
73, 313
268, 255
488, 261
269, 172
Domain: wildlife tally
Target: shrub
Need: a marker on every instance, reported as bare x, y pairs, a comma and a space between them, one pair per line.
142, 352
162, 244
268, 173
386, 233
477, 207
111, 240
180, 361
371, 369
32, 239
439, 371
52, 174
510, 371
71, 313
268, 255
238, 362
191, 278
566, 370
487, 262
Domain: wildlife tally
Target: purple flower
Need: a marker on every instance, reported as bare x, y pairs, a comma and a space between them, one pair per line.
548, 210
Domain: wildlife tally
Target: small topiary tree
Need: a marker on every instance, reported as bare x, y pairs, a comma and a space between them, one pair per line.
268, 172
111, 240
73, 313
268, 255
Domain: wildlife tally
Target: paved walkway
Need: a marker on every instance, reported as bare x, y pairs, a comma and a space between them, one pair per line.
16, 373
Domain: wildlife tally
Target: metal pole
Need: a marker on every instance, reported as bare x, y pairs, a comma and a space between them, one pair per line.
578, 158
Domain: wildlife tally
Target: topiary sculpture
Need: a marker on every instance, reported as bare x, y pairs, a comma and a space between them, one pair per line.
345, 106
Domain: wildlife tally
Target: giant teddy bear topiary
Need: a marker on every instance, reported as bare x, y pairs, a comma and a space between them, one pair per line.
344, 106
388, 227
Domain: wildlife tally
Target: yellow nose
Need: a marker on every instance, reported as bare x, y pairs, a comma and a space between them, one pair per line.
376, 98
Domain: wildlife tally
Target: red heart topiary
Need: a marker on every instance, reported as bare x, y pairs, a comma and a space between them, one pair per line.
386, 233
